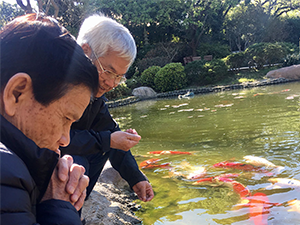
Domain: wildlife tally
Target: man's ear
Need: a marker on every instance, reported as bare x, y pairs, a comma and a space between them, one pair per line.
16, 90
87, 50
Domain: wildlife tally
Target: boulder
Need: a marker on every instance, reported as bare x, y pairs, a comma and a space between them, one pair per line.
291, 72
144, 92
111, 201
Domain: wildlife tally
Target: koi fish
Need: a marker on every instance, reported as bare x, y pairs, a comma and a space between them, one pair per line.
170, 152
295, 204
259, 209
239, 166
285, 182
191, 173
199, 173
239, 188
259, 161
152, 163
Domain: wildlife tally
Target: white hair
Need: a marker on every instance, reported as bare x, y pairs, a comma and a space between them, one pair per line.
104, 34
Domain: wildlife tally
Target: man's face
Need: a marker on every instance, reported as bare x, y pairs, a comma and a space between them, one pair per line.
49, 126
111, 62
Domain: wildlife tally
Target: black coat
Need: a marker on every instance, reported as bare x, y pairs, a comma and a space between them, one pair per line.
25, 173
91, 134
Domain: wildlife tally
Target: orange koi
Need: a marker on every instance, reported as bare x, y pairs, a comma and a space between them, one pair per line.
223, 180
259, 209
239, 166
239, 188
170, 152
152, 163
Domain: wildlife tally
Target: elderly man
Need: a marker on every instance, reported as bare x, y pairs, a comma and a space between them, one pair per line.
46, 83
96, 137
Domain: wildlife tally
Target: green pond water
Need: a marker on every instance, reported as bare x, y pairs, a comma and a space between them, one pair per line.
216, 127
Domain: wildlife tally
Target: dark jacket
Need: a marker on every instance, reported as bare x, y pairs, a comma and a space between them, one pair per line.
91, 134
25, 173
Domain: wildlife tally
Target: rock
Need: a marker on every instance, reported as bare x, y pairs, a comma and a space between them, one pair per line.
108, 205
110, 176
144, 92
291, 72
111, 201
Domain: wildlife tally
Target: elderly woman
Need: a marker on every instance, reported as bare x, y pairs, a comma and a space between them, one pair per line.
46, 84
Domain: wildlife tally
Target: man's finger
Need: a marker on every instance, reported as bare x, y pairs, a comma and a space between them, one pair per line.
134, 137
76, 172
78, 205
63, 167
81, 187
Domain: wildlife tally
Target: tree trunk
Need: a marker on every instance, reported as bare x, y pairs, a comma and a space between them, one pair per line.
27, 8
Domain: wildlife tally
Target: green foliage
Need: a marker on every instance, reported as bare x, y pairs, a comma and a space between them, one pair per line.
193, 72
293, 25
213, 71
268, 53
218, 51
118, 92
8, 12
236, 60
292, 59
171, 77
148, 75
145, 63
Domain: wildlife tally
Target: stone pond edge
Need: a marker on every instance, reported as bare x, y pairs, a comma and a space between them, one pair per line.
201, 90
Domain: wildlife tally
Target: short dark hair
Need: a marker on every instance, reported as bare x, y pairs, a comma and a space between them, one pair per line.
39, 46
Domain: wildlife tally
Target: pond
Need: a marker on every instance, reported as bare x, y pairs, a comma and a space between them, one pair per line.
224, 126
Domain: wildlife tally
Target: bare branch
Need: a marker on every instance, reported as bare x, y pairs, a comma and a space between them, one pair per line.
27, 8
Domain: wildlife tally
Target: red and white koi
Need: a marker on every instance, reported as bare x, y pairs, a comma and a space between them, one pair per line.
167, 152
223, 180
199, 173
239, 166
152, 163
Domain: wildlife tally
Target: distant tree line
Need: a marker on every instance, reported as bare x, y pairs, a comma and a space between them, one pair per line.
166, 31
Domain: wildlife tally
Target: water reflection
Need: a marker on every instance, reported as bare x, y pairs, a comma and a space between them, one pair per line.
224, 126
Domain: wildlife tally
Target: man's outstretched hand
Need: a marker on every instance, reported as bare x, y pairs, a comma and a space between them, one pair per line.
144, 191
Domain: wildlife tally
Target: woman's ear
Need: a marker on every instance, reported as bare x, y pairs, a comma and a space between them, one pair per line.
87, 50
17, 89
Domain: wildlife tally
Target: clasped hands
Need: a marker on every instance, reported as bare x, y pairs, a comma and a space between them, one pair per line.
68, 183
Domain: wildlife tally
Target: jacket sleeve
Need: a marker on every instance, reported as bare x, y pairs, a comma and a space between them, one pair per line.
16, 191
125, 164
86, 142
57, 212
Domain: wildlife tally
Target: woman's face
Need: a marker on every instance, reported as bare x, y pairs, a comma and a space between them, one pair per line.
49, 126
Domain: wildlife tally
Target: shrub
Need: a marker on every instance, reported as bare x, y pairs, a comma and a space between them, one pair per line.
216, 50
145, 63
118, 92
213, 71
193, 70
268, 53
170, 77
236, 60
148, 75
133, 83
292, 59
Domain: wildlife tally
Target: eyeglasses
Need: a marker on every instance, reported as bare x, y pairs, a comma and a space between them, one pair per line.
111, 75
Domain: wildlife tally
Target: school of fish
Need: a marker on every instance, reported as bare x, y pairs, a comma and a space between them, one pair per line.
258, 203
